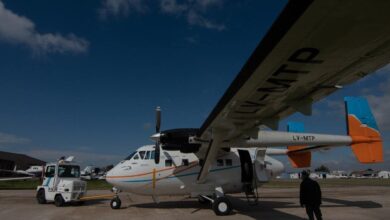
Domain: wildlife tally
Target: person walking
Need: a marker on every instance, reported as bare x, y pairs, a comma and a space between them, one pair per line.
310, 196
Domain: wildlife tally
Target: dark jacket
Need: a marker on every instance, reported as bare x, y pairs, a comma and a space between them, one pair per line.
310, 193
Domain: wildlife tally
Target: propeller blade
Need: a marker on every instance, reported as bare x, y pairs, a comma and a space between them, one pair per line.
157, 136
157, 153
158, 119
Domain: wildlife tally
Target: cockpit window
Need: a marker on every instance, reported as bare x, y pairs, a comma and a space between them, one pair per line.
130, 156
142, 154
152, 155
136, 157
147, 157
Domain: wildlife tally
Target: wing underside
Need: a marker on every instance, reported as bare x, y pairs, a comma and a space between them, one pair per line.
312, 49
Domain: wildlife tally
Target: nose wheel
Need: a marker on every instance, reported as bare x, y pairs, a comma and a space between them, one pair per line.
115, 203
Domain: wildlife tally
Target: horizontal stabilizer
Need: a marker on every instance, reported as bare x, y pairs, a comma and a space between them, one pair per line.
297, 159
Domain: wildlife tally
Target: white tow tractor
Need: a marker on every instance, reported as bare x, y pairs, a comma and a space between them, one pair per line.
61, 183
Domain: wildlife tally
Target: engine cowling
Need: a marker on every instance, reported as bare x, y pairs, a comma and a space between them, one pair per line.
178, 139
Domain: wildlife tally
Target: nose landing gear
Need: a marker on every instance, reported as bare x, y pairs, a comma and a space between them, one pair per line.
116, 201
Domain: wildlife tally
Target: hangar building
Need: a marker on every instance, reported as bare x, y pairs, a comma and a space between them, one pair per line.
8, 161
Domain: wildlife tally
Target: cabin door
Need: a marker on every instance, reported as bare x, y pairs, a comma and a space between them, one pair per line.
246, 166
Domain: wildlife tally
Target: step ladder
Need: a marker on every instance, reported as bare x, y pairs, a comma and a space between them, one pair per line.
251, 192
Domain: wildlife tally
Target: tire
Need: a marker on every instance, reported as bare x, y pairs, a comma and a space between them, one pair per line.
59, 201
222, 206
115, 203
41, 198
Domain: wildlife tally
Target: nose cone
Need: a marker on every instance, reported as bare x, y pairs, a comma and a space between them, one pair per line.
110, 176
155, 137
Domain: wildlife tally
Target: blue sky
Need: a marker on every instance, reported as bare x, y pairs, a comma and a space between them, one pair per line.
84, 77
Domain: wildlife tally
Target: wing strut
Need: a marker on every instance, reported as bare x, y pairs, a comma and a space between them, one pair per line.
211, 154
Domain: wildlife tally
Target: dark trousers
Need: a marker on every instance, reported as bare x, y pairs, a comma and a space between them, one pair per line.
313, 209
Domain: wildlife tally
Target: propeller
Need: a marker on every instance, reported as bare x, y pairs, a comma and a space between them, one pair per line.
157, 147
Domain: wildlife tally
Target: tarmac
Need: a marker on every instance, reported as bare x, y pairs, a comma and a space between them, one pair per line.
274, 203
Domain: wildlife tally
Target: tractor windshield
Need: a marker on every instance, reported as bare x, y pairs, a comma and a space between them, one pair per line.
71, 171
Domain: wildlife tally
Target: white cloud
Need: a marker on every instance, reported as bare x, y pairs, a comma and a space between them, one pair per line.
194, 11
121, 7
17, 29
380, 105
12, 139
172, 7
195, 18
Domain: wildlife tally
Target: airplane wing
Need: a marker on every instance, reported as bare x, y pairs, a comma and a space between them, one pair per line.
16, 178
7, 175
312, 49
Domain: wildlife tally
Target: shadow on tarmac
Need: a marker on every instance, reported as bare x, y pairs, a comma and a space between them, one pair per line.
264, 209
359, 204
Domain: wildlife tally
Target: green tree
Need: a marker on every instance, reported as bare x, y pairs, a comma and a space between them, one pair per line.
322, 168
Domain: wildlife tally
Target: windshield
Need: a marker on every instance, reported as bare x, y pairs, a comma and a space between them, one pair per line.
130, 156
69, 171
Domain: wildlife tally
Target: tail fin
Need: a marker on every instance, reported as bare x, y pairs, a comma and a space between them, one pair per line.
298, 159
362, 127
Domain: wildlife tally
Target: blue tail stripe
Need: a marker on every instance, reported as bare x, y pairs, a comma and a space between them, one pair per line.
295, 127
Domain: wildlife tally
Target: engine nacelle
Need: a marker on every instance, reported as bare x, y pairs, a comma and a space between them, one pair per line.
178, 139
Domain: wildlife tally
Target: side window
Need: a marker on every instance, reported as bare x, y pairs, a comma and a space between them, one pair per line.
185, 162
229, 162
142, 154
168, 163
219, 163
136, 157
147, 157
50, 170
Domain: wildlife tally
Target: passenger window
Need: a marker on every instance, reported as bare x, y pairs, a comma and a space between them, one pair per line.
136, 157
185, 162
142, 154
168, 163
219, 163
229, 162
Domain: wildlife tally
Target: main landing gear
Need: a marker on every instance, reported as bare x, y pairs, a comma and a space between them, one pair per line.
219, 203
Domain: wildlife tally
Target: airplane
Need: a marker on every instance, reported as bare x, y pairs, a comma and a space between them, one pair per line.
313, 49
91, 172
7, 175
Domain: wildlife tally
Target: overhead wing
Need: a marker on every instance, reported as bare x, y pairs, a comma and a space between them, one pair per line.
311, 50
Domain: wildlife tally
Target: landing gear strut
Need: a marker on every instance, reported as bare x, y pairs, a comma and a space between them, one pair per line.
116, 201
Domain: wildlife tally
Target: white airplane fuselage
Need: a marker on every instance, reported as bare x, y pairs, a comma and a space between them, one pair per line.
176, 173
